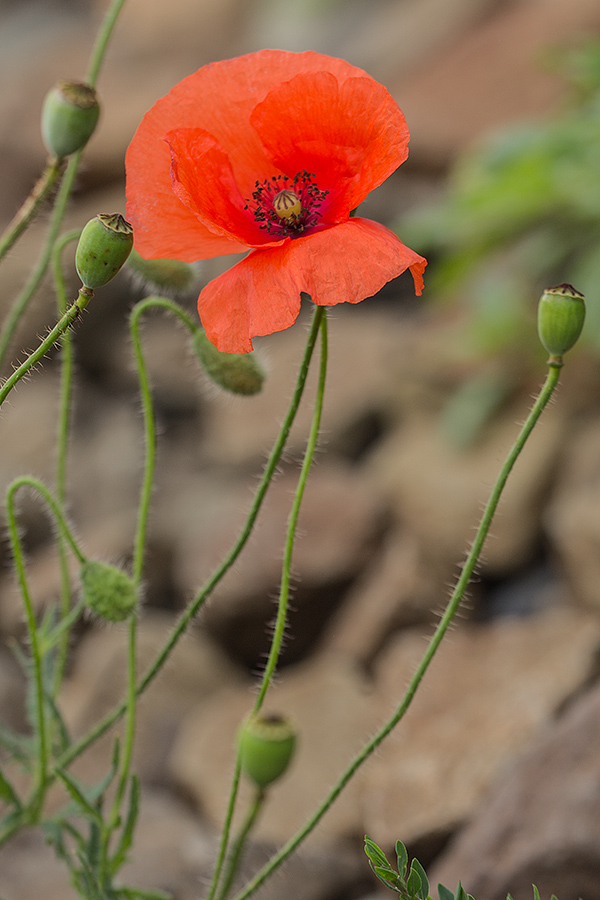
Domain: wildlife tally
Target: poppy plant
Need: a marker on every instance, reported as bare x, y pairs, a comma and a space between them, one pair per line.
270, 153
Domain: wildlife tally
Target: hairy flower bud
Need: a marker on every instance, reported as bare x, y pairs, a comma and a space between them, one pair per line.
107, 591
103, 247
267, 744
238, 373
561, 314
169, 276
69, 116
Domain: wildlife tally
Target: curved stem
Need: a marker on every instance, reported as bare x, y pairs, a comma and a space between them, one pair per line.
54, 335
36, 652
189, 613
149, 421
450, 612
31, 206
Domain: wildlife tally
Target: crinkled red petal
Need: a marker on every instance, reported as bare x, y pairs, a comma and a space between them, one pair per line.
349, 133
203, 180
261, 294
218, 98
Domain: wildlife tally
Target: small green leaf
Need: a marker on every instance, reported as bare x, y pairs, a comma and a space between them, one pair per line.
402, 857
388, 876
19, 747
78, 796
444, 893
536, 893
126, 840
8, 793
424, 888
375, 853
413, 883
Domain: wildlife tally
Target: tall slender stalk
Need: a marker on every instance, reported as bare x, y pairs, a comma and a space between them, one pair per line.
450, 611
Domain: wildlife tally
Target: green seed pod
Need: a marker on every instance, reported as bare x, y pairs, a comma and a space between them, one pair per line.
266, 744
238, 373
561, 314
69, 116
107, 591
168, 276
103, 247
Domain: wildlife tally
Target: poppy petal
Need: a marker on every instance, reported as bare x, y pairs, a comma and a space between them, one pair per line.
218, 97
349, 133
254, 297
261, 294
204, 182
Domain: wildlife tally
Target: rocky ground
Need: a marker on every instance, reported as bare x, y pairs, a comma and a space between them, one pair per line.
494, 776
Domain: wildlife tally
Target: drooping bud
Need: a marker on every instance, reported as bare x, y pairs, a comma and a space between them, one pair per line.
287, 204
266, 745
69, 116
561, 314
167, 276
103, 247
107, 591
238, 373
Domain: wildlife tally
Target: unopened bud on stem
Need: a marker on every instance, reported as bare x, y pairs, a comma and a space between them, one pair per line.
267, 744
103, 247
561, 314
238, 373
69, 117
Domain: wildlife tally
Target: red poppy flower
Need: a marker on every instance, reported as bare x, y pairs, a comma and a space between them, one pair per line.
270, 152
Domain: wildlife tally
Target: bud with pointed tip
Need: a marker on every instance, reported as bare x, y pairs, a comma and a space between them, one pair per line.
103, 247
69, 116
266, 744
561, 314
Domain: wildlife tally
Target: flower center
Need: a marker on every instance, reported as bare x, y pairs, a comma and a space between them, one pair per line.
286, 206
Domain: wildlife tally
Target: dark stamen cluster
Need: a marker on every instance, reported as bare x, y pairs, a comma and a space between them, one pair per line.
261, 205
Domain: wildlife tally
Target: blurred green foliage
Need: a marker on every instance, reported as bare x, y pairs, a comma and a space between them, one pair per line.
522, 213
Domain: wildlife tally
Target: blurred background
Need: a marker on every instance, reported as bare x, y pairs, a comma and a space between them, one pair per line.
494, 778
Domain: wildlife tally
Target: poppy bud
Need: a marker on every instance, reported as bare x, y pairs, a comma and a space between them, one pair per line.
238, 373
266, 745
69, 116
287, 204
561, 314
107, 591
103, 247
168, 276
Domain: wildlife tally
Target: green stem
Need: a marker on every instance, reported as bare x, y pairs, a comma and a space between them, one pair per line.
64, 194
284, 592
36, 485
64, 418
240, 842
54, 335
280, 622
149, 422
41, 780
22, 301
28, 211
102, 39
283, 600
189, 613
450, 612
